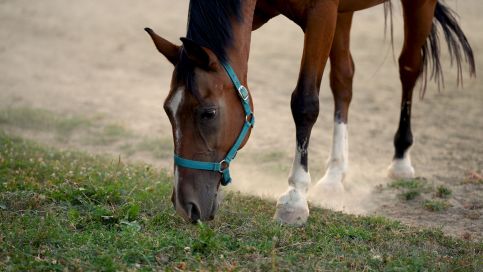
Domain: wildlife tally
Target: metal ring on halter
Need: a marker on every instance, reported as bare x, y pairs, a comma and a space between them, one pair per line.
245, 95
222, 163
249, 119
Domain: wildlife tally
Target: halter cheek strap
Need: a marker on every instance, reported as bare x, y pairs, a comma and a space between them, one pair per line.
224, 166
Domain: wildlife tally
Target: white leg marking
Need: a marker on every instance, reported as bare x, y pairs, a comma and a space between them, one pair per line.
337, 165
401, 168
299, 178
292, 207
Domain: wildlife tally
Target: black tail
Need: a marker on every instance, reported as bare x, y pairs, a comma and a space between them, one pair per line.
458, 46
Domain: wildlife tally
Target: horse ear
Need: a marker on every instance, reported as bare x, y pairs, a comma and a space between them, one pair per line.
168, 49
201, 56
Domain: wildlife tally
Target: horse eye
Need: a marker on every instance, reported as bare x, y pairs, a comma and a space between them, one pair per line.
208, 114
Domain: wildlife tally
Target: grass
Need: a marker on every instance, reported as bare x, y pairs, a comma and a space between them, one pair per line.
106, 135
411, 194
417, 188
87, 131
435, 205
70, 211
443, 192
474, 177
410, 188
63, 127
409, 184
42, 120
159, 148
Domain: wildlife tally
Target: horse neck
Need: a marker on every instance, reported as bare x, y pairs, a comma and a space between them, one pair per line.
239, 52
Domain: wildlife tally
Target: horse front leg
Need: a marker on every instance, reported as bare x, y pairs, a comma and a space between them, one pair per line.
341, 75
292, 207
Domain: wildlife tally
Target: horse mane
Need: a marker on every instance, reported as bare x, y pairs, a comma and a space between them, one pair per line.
210, 26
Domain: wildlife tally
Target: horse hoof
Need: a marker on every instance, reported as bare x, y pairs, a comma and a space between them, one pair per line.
292, 208
401, 169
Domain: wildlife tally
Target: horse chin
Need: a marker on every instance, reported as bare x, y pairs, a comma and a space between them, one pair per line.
205, 210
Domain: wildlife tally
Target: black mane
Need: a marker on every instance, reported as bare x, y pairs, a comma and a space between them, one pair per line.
209, 25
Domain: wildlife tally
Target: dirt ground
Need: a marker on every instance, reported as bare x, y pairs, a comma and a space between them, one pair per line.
92, 59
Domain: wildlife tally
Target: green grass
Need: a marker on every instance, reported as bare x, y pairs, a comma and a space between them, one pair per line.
410, 188
418, 188
93, 131
70, 211
409, 184
160, 148
42, 120
411, 194
435, 205
63, 127
106, 135
443, 192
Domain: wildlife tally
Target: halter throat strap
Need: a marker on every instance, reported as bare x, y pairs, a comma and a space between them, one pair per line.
224, 166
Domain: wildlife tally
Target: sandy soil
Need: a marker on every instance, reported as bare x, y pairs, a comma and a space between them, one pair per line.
92, 58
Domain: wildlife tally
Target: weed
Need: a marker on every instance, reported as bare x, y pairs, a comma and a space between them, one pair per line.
414, 184
435, 205
206, 241
411, 188
443, 192
411, 194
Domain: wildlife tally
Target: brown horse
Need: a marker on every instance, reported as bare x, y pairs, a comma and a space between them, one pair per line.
207, 117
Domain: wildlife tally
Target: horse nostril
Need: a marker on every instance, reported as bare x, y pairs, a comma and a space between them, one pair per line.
194, 212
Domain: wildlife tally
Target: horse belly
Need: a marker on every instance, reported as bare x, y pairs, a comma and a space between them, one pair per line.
355, 5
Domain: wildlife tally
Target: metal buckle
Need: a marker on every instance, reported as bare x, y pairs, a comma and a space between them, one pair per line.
249, 119
223, 163
244, 95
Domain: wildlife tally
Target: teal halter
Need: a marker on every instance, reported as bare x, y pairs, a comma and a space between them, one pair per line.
224, 166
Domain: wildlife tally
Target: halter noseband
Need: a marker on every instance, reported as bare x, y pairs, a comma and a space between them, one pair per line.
224, 166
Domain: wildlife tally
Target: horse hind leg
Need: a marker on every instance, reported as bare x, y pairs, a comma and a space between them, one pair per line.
292, 207
341, 75
418, 21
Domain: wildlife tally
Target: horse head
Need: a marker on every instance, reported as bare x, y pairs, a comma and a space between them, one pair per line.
207, 120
